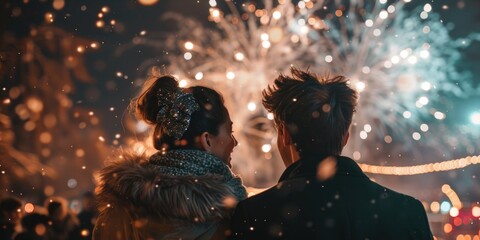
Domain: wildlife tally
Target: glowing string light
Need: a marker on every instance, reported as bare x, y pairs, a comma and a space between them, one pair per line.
452, 196
422, 169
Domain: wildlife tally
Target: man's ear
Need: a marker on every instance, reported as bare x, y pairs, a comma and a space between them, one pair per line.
286, 138
345, 141
205, 141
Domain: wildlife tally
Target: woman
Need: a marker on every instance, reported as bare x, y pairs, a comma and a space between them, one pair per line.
185, 190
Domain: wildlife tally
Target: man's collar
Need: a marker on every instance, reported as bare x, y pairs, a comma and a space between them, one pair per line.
307, 167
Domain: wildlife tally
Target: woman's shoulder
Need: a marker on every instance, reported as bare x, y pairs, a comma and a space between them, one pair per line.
134, 183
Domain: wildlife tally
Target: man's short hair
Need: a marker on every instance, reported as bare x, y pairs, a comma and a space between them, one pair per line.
316, 111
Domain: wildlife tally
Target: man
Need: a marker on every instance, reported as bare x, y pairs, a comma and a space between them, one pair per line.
322, 195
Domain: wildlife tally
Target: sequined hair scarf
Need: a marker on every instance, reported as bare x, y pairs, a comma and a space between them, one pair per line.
175, 111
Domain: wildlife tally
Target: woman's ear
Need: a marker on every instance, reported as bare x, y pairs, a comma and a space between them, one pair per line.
205, 141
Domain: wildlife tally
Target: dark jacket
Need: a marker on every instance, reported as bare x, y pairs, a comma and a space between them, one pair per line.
346, 206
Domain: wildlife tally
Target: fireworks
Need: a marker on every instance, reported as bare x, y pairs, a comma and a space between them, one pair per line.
401, 62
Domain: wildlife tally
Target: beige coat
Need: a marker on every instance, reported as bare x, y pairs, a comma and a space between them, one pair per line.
137, 202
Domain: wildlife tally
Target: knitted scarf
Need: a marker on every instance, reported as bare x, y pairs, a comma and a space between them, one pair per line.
197, 163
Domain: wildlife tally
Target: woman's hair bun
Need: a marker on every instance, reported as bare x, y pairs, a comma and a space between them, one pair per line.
146, 105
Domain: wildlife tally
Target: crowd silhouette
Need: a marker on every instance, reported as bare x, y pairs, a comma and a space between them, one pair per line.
52, 221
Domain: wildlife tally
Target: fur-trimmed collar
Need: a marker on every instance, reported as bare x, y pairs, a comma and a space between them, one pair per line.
133, 183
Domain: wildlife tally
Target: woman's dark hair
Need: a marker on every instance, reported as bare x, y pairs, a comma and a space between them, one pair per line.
211, 114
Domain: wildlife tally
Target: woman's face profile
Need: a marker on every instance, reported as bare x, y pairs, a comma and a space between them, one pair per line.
224, 142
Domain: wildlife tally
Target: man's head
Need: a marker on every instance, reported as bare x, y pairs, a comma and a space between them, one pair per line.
312, 114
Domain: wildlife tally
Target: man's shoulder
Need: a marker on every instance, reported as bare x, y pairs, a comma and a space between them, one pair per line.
394, 195
277, 195
264, 196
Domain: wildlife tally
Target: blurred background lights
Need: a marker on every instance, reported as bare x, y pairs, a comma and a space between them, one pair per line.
29, 208
85, 233
365, 70
141, 126
427, 7
230, 75
369, 23
445, 207
423, 100
439, 115
199, 76
183, 83
476, 211
276, 34
266, 44
391, 9
212, 3
277, 15
270, 116
426, 29
475, 118
72, 183
387, 64
58, 4
416, 136
215, 13
367, 128
404, 53
423, 15
251, 106
383, 14
426, 86
189, 45
266, 148
304, 29
187, 56
264, 37
363, 135
301, 4
447, 228
412, 59
360, 86
328, 59
239, 56
357, 155
453, 212
424, 127
147, 2
395, 59
435, 207
424, 54
294, 38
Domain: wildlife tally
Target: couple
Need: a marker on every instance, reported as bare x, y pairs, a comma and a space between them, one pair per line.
187, 191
